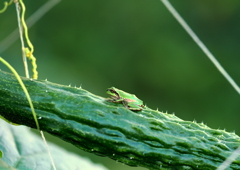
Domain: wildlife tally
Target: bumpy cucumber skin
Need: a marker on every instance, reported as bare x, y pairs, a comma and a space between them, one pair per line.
147, 138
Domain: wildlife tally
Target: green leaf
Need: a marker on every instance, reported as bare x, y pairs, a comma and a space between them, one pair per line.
25, 151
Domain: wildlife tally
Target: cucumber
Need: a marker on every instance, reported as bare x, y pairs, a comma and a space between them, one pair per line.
146, 138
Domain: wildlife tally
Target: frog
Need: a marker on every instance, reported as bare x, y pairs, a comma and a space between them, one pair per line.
130, 101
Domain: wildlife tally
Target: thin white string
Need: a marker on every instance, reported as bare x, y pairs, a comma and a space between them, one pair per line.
235, 153
27, 75
230, 159
21, 38
11, 38
48, 150
200, 44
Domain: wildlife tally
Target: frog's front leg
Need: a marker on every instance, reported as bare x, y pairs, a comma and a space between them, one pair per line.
115, 99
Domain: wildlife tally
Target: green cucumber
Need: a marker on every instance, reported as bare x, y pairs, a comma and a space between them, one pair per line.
146, 138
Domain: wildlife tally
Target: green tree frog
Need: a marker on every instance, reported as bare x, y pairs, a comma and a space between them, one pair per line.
130, 101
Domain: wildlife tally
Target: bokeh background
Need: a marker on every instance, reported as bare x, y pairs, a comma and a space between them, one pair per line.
137, 46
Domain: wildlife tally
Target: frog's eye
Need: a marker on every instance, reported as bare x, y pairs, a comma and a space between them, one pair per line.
112, 91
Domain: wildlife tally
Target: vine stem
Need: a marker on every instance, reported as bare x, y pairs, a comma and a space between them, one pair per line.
21, 39
27, 72
24, 89
31, 106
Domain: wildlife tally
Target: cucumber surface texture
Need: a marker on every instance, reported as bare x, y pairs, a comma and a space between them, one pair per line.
146, 138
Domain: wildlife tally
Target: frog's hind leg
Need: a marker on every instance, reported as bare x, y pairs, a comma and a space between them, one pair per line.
132, 106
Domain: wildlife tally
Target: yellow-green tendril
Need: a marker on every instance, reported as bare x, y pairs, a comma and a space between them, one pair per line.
34, 64
28, 52
6, 4
25, 26
24, 89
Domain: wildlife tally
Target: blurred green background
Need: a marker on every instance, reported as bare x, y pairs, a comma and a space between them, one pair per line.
137, 46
